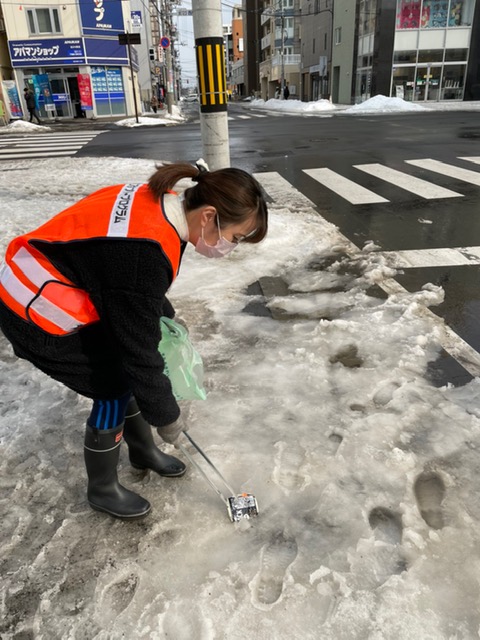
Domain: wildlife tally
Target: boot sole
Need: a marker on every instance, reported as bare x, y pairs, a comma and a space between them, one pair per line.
164, 475
134, 516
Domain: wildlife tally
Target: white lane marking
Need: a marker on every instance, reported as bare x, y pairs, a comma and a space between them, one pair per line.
466, 175
244, 117
46, 147
351, 191
37, 154
283, 193
258, 115
474, 159
413, 258
419, 187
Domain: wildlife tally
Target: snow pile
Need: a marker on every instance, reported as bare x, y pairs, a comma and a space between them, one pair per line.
366, 475
22, 126
274, 104
382, 104
162, 118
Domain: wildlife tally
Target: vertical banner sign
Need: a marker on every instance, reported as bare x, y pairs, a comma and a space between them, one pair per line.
12, 99
85, 90
43, 92
211, 74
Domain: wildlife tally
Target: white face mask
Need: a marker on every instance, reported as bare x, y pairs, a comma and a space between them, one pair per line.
220, 249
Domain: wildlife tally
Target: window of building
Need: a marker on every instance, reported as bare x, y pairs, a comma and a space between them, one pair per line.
42, 21
325, 40
404, 57
338, 35
434, 14
430, 55
456, 55
313, 45
453, 81
403, 84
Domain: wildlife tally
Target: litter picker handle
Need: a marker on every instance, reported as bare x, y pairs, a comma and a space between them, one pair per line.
199, 468
204, 455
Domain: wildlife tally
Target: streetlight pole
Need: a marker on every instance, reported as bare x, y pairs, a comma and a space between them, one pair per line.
282, 81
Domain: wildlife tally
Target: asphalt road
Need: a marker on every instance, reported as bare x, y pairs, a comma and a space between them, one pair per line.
400, 221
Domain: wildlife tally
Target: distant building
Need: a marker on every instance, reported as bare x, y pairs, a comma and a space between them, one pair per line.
419, 50
280, 48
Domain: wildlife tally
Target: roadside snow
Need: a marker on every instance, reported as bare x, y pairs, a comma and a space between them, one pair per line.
22, 126
162, 118
383, 104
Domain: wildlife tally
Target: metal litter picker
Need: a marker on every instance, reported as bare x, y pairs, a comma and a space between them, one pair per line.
239, 506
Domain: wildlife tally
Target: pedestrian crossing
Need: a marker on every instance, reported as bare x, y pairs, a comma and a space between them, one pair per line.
357, 194
45, 145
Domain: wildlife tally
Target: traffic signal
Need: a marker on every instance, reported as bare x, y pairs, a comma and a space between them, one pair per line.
151, 53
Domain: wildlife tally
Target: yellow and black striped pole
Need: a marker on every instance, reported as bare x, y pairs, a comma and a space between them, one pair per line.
212, 82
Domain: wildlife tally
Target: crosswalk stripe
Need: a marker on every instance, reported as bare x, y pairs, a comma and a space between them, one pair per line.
258, 115
26, 155
415, 258
466, 175
474, 159
28, 149
244, 117
44, 145
405, 181
351, 191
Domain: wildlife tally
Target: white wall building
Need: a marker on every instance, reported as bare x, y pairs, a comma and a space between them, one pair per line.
70, 56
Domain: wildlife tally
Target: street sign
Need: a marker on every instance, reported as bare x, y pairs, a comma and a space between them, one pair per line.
165, 42
129, 38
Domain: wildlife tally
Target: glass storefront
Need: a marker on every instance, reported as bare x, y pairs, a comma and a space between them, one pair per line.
426, 75
434, 14
108, 91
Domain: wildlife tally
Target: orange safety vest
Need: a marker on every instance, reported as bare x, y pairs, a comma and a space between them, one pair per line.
36, 291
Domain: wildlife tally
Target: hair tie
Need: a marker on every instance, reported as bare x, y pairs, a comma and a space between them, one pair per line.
202, 167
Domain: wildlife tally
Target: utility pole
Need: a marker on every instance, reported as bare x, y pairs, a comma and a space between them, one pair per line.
210, 54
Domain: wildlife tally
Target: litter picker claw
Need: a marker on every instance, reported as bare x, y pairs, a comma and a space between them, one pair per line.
239, 506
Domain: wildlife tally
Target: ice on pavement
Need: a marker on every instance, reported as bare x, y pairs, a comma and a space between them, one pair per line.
365, 473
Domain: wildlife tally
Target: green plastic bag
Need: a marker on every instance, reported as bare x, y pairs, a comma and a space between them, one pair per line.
183, 364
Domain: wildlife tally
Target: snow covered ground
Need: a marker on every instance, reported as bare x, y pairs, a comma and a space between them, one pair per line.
366, 475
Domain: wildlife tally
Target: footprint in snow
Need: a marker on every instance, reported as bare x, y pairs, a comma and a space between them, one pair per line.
277, 556
429, 492
287, 473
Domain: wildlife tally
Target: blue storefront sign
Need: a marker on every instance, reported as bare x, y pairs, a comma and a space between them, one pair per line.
103, 51
61, 51
100, 17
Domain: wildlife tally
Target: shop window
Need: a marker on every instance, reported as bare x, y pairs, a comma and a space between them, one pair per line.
43, 21
430, 55
408, 14
456, 55
108, 90
461, 13
403, 83
434, 14
452, 83
404, 56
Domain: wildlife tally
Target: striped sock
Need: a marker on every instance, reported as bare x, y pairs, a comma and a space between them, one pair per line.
108, 414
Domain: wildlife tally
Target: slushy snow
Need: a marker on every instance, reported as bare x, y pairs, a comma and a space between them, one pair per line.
366, 475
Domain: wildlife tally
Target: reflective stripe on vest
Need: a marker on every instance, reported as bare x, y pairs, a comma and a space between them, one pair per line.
54, 305
120, 215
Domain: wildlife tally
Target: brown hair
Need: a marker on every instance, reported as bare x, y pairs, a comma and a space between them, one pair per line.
234, 193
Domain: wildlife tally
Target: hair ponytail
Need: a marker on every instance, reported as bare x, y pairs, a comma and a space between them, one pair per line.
167, 176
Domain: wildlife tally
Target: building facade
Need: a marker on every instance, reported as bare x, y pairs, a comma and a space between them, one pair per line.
69, 55
418, 50
316, 49
280, 24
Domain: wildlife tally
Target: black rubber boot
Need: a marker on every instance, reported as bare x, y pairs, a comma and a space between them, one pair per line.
142, 450
105, 493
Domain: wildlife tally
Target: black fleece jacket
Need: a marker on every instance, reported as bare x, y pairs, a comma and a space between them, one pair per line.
127, 280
